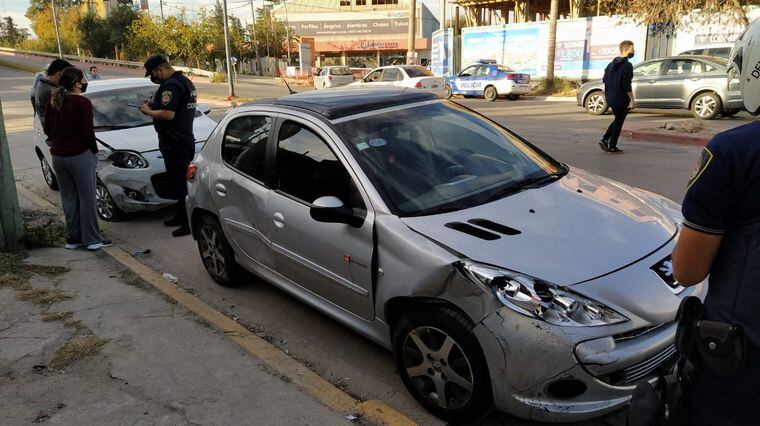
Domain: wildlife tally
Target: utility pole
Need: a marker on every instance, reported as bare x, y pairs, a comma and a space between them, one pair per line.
11, 229
410, 60
230, 81
553, 15
287, 29
255, 43
161, 7
57, 31
443, 14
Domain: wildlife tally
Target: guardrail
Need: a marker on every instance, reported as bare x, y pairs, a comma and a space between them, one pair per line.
105, 61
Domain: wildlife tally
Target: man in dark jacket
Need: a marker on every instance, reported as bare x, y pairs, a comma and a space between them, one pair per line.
619, 94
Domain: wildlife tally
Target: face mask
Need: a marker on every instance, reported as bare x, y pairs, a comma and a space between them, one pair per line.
84, 87
156, 80
631, 55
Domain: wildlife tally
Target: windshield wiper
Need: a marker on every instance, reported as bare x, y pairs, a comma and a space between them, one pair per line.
121, 127
527, 183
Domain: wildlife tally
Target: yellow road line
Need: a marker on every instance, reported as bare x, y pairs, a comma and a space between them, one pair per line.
310, 382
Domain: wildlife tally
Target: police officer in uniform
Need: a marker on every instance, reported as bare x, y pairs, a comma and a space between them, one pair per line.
721, 237
173, 111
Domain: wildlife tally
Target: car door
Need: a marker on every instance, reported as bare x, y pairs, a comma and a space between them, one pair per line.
644, 84
331, 260
392, 77
238, 188
463, 81
319, 78
679, 75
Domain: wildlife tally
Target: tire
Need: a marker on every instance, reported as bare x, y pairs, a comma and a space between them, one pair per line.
513, 97
216, 252
596, 103
490, 94
418, 345
449, 93
47, 172
106, 207
706, 106
730, 112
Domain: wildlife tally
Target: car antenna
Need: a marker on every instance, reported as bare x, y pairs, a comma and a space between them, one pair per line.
291, 91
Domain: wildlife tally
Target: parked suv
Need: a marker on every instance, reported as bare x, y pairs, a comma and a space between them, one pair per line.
696, 83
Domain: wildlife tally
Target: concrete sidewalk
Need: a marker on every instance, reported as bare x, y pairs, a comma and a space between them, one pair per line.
84, 341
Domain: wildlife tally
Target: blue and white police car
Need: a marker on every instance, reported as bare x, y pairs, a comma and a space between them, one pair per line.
488, 79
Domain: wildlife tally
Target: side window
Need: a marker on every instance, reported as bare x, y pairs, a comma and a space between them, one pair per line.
391, 74
468, 72
708, 67
481, 71
244, 144
374, 76
307, 169
682, 67
648, 69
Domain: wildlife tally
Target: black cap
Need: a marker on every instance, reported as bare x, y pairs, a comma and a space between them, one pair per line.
153, 62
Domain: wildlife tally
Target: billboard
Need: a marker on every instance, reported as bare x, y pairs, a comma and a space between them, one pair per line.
351, 28
696, 31
442, 52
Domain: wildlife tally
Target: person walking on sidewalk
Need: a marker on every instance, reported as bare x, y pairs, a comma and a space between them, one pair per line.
617, 89
173, 112
68, 124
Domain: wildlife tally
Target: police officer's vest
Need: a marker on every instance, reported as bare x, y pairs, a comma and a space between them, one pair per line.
734, 290
182, 124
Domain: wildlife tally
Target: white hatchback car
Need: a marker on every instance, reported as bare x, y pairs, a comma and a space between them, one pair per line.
413, 76
327, 77
131, 172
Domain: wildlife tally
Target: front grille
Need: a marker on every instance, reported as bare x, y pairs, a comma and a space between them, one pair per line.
643, 370
636, 333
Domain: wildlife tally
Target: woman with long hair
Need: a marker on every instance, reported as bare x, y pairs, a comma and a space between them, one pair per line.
68, 124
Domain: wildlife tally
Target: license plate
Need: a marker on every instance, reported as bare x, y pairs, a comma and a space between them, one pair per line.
664, 270
522, 81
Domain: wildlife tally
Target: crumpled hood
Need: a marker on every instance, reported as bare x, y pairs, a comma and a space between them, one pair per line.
572, 230
144, 138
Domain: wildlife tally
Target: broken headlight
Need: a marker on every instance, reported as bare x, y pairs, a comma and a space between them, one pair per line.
127, 160
537, 298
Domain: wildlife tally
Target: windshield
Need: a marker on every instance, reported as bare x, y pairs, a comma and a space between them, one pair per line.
418, 71
111, 108
341, 71
430, 158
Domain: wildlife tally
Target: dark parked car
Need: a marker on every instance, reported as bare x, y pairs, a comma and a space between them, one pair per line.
696, 83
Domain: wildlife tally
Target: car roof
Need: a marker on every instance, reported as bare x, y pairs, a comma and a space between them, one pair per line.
118, 83
342, 102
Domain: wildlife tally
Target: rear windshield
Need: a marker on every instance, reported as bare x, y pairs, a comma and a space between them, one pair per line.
418, 71
340, 71
502, 68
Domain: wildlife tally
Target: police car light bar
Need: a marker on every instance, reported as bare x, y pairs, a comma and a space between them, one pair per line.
486, 61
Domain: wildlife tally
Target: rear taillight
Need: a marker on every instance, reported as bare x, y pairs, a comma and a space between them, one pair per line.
329, 77
510, 77
418, 85
192, 169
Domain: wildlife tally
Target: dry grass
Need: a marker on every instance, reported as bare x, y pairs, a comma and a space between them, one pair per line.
42, 228
562, 87
57, 316
42, 296
76, 349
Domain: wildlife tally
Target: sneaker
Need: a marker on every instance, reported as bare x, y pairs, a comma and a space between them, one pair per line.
72, 246
181, 231
603, 145
100, 245
172, 222
616, 150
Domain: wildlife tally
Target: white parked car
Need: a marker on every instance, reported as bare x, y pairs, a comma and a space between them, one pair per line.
131, 172
414, 76
327, 77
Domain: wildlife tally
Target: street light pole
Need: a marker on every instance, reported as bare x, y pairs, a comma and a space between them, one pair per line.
412, 32
57, 31
161, 6
287, 29
230, 81
255, 44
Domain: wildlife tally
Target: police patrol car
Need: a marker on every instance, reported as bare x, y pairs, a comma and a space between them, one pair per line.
488, 79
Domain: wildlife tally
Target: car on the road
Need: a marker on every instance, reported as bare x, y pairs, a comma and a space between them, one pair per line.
496, 274
719, 51
131, 172
413, 76
696, 83
489, 80
332, 76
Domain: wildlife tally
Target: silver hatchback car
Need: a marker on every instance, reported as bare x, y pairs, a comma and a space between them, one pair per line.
497, 275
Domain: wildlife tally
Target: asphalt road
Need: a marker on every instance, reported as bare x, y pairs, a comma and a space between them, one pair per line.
343, 357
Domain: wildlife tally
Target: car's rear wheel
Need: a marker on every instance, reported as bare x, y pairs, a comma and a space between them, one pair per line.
216, 252
513, 97
442, 364
448, 92
490, 93
596, 103
48, 174
706, 106
106, 206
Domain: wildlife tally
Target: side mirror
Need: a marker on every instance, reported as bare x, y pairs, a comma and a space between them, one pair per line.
331, 209
204, 109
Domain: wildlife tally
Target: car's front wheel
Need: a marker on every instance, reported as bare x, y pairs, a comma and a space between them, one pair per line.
706, 106
596, 103
442, 364
216, 252
513, 97
106, 206
448, 93
490, 93
48, 174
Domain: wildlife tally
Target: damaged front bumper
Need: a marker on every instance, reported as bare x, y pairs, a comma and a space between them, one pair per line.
136, 189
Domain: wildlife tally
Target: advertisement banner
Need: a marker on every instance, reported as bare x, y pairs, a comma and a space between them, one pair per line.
514, 45
697, 31
442, 52
354, 27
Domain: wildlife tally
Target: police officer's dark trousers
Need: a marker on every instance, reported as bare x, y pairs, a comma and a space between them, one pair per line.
733, 297
178, 153
613, 131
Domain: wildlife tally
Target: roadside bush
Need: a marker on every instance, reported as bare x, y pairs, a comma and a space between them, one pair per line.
562, 87
218, 77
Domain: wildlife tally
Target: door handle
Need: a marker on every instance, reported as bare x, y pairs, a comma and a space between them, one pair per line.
220, 189
279, 220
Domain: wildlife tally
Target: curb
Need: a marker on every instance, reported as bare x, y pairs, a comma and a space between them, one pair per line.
550, 98
675, 138
308, 381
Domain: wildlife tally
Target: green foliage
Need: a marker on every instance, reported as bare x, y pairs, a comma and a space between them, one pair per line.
218, 77
10, 34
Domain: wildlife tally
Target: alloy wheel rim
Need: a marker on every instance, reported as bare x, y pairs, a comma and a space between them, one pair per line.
490, 93
438, 367
211, 250
47, 172
595, 103
705, 106
105, 203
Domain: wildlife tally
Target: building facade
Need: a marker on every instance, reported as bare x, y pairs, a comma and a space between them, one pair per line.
359, 33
